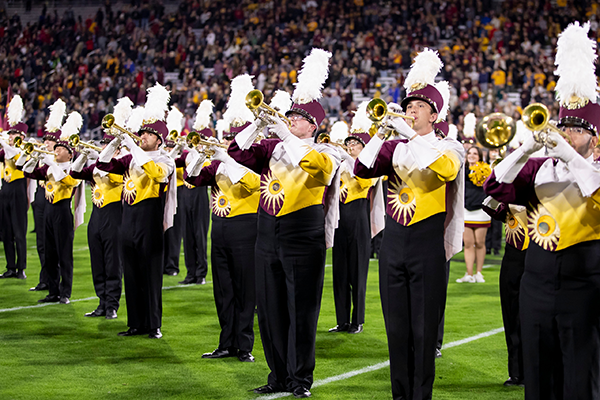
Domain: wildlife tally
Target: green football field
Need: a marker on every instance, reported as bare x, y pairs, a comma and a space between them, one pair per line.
52, 351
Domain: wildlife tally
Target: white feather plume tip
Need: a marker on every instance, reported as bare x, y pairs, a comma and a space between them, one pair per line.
281, 101
175, 120
312, 76
72, 125
203, 115
361, 121
157, 103
444, 88
339, 132
57, 113
122, 110
237, 113
15, 110
424, 69
575, 59
452, 131
136, 119
470, 122
222, 126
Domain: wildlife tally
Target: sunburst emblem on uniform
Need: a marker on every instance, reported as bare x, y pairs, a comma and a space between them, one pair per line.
515, 234
129, 190
402, 201
97, 196
7, 177
271, 191
221, 207
50, 191
544, 229
343, 191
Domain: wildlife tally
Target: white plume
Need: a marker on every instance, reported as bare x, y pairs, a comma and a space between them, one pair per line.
203, 115
281, 101
469, 125
175, 120
424, 69
157, 103
57, 113
72, 125
15, 110
339, 132
312, 76
575, 57
444, 88
237, 113
122, 110
136, 119
222, 126
361, 121
452, 131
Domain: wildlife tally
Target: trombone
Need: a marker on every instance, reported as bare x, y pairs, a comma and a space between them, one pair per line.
378, 111
325, 138
30, 147
536, 118
75, 140
108, 122
255, 102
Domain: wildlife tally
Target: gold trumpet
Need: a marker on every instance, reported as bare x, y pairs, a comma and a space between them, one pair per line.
108, 122
174, 136
29, 147
75, 140
377, 110
194, 139
495, 130
536, 118
325, 138
255, 102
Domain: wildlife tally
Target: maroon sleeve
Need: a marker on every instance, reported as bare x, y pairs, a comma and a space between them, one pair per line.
256, 157
1, 155
86, 174
180, 161
521, 191
39, 173
206, 177
499, 213
383, 162
117, 165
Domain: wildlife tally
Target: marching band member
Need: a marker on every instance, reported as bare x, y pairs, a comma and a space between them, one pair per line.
59, 224
423, 228
105, 222
148, 177
296, 220
560, 286
14, 196
234, 203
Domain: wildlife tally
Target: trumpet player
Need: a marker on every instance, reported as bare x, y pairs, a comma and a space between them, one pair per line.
560, 285
423, 226
14, 196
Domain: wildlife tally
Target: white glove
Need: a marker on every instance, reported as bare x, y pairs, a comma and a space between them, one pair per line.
563, 150
10, 152
30, 164
48, 159
107, 154
80, 162
280, 128
195, 161
176, 151
90, 153
235, 171
296, 148
22, 159
345, 156
530, 146
220, 154
128, 142
400, 126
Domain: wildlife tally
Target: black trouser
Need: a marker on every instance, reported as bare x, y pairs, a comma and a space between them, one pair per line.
493, 236
412, 282
351, 261
232, 263
58, 245
173, 236
511, 272
195, 218
104, 243
142, 252
39, 210
440, 336
14, 221
290, 266
560, 320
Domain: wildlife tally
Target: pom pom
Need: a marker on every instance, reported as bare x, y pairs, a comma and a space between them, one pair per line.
57, 113
361, 122
281, 101
72, 125
122, 110
136, 119
15, 110
444, 88
423, 71
470, 122
203, 115
157, 103
175, 120
452, 132
312, 76
339, 132
222, 126
237, 113
479, 173
575, 61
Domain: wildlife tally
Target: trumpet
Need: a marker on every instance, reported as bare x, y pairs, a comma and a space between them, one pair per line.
378, 112
255, 102
174, 136
325, 138
75, 140
536, 118
495, 130
108, 122
29, 147
194, 140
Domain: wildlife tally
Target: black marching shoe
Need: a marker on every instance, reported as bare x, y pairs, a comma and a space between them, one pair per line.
355, 329
111, 314
64, 300
340, 328
267, 389
221, 353
514, 382
133, 332
10, 273
49, 299
39, 287
245, 356
438, 353
301, 393
96, 313
188, 281
201, 281
21, 274
155, 333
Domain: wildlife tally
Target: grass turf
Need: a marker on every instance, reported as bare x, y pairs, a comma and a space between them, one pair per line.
54, 352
